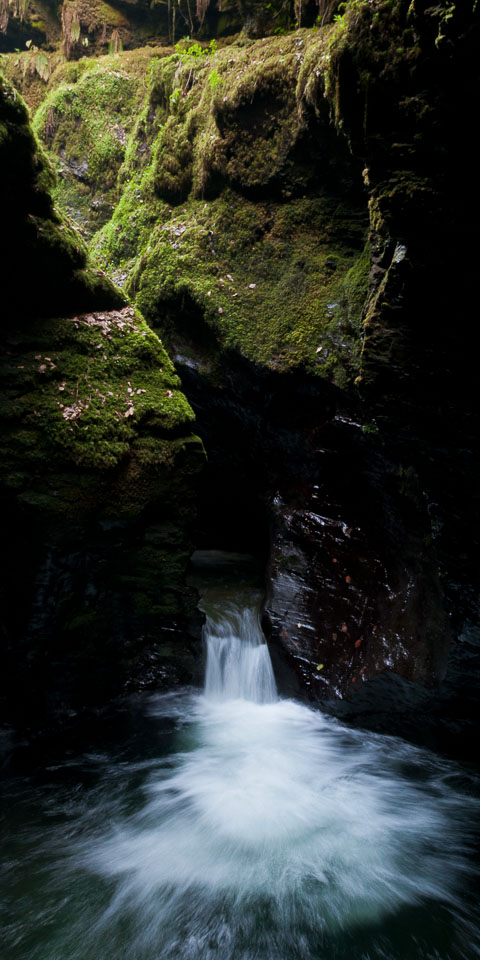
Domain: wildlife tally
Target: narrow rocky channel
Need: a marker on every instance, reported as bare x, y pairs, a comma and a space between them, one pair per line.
231, 822
239, 673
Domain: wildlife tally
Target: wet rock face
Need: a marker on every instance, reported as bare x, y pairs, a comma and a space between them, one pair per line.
92, 612
412, 125
336, 628
353, 586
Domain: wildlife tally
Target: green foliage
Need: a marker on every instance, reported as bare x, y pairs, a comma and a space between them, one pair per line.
175, 97
195, 49
34, 60
444, 11
214, 79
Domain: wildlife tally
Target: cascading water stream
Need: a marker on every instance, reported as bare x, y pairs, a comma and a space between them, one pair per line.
238, 661
269, 832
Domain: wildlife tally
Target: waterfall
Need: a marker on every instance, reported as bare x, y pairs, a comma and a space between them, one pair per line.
254, 828
238, 661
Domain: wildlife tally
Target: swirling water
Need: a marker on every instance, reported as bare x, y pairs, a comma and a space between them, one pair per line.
254, 828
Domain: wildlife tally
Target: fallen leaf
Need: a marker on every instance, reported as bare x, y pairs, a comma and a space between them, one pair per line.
320, 666
358, 643
70, 413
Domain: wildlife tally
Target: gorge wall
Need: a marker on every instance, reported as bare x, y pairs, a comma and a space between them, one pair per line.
98, 456
294, 215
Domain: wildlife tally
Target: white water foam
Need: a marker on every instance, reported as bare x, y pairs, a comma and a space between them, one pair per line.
277, 827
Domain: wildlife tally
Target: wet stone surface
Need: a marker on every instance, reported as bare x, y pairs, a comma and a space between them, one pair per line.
343, 605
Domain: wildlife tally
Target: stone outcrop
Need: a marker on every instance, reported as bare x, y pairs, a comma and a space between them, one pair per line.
98, 464
396, 79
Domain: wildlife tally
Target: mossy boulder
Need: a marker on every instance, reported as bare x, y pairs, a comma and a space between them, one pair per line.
241, 211
99, 462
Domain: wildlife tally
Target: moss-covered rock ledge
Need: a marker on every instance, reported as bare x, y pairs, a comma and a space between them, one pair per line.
98, 465
242, 218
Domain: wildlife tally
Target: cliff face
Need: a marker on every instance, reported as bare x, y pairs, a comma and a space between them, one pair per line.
289, 215
98, 457
401, 80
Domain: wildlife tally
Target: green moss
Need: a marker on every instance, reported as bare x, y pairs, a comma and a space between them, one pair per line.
85, 121
83, 399
277, 292
403, 195
222, 221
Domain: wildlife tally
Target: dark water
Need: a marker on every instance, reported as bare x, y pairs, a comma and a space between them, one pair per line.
231, 825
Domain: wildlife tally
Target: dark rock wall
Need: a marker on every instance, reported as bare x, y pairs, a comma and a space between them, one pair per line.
402, 81
98, 467
418, 371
